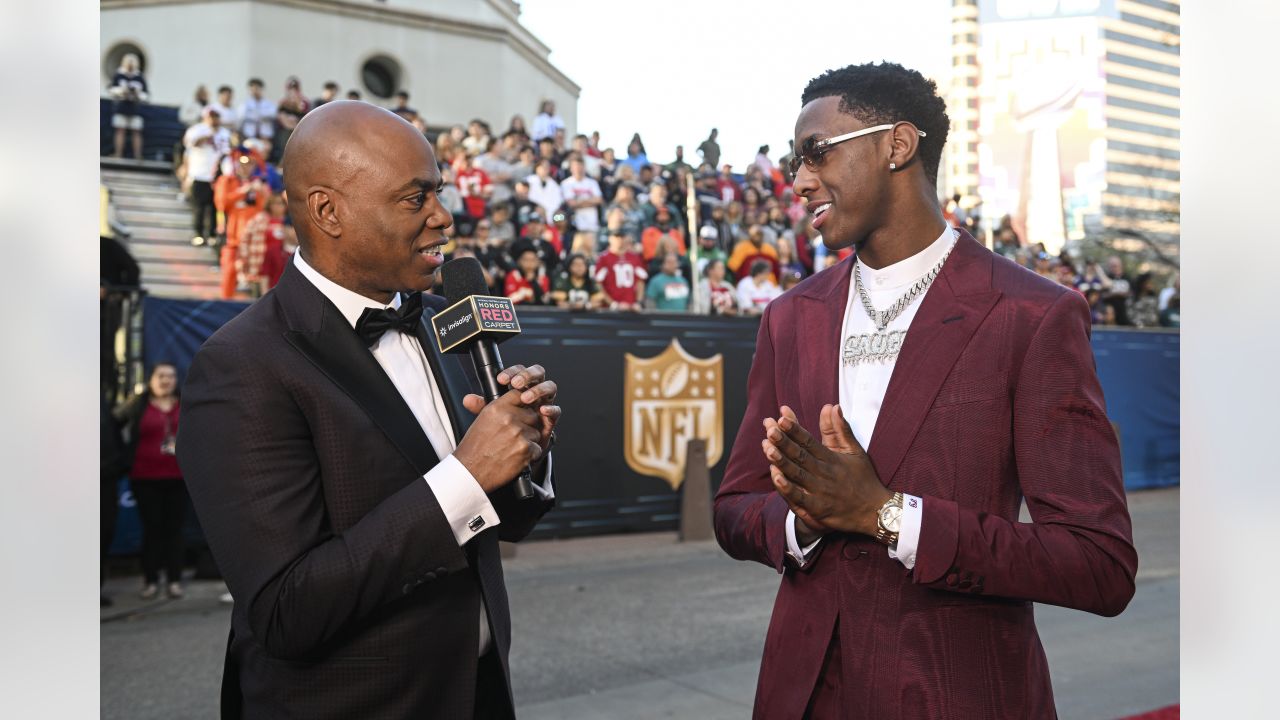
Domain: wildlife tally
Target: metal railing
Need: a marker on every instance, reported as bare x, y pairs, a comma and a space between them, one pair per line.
120, 317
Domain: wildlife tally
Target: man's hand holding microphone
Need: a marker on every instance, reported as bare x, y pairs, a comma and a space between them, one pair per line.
517, 413
513, 432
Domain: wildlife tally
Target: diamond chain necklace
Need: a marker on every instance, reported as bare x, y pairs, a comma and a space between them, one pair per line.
881, 346
882, 319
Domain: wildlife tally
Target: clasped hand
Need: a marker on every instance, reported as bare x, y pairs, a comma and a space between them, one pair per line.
511, 432
830, 485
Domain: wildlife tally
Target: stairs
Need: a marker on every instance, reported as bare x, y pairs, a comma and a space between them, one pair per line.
147, 199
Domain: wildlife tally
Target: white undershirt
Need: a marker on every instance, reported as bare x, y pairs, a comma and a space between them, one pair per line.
862, 386
461, 498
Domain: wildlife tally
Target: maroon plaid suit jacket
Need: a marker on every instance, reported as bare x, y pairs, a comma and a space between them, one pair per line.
352, 597
995, 398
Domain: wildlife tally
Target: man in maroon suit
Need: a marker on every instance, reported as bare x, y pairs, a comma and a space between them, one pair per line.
908, 581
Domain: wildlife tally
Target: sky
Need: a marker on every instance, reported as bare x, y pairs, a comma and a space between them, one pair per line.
673, 69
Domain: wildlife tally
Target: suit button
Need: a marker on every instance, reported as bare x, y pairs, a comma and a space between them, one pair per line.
952, 579
429, 576
851, 552
406, 589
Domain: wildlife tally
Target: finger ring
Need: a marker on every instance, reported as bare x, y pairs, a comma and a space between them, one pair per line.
553, 439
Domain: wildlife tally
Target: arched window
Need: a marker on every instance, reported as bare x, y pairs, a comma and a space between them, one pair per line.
381, 76
111, 60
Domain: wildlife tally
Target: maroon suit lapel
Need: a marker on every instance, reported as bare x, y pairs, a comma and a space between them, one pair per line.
821, 314
956, 304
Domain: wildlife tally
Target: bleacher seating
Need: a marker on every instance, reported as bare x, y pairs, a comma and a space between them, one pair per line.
149, 203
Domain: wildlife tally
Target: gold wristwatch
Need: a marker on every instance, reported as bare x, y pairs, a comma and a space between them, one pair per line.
889, 520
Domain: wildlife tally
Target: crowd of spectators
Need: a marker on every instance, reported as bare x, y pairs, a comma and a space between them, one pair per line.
561, 221
1116, 296
229, 166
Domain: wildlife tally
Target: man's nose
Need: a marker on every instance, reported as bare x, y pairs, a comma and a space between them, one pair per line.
806, 181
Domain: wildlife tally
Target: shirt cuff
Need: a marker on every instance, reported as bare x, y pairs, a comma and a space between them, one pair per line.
909, 534
544, 489
463, 501
800, 555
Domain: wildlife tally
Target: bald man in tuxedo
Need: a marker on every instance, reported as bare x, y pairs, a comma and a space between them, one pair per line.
352, 486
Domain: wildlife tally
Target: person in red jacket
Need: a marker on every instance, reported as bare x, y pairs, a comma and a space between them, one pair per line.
239, 197
898, 412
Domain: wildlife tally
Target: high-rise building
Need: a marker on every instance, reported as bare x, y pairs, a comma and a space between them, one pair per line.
1075, 118
1142, 69
962, 106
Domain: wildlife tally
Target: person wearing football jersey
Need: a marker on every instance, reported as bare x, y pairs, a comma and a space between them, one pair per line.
621, 274
574, 288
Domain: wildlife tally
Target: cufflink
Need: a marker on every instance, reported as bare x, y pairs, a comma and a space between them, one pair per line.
476, 523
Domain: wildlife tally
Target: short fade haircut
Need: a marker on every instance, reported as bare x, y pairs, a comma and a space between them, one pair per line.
879, 93
256, 82
225, 88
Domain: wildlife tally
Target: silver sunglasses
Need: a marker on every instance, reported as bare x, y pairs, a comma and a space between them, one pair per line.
813, 158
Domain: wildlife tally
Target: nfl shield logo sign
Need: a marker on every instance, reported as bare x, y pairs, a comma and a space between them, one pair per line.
669, 400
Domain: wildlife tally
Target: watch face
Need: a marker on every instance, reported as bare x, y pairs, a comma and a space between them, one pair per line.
891, 518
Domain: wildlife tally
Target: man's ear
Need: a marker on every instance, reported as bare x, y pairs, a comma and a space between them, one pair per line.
904, 143
322, 210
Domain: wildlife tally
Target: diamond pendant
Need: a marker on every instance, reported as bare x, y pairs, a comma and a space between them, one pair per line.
878, 346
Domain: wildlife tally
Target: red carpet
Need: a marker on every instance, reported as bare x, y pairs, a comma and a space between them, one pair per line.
1166, 713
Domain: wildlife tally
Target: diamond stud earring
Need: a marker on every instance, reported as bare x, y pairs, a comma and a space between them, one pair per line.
893, 166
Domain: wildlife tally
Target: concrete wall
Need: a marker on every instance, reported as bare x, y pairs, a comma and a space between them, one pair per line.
479, 64
184, 45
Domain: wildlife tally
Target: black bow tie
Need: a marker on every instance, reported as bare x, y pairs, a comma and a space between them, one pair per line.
374, 322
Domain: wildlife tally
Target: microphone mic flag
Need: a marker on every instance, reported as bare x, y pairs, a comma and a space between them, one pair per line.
475, 322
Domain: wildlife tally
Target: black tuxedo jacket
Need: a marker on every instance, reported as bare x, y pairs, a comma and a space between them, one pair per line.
352, 596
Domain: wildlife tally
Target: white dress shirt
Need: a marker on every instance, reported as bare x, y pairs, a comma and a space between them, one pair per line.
463, 501
862, 386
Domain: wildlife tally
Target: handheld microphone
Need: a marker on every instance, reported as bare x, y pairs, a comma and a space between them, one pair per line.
475, 322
